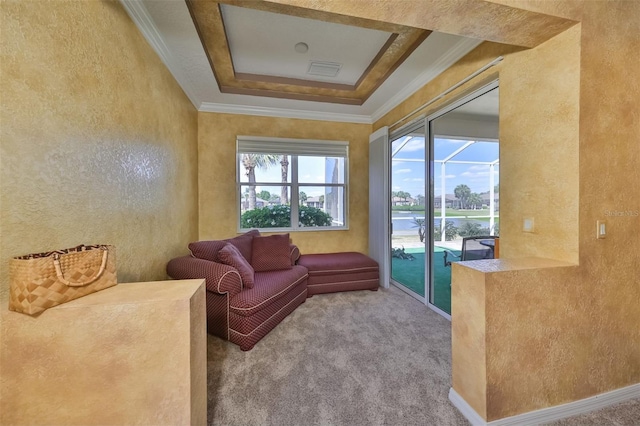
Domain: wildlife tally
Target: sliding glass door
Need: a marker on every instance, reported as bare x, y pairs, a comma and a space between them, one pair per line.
444, 187
408, 207
463, 143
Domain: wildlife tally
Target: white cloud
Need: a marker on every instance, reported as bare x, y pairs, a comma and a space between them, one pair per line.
478, 171
412, 180
479, 167
474, 174
402, 171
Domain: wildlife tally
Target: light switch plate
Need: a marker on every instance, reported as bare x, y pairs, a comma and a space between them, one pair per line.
528, 224
601, 230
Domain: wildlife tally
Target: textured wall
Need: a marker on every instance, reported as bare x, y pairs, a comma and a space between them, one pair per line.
468, 343
540, 124
217, 175
588, 313
117, 367
470, 63
479, 19
98, 143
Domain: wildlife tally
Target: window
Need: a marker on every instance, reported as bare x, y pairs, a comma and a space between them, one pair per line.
291, 184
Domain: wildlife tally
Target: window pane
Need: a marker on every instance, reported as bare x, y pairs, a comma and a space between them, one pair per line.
265, 168
321, 206
321, 169
262, 207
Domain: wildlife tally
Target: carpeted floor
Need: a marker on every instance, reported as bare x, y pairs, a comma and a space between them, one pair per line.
355, 358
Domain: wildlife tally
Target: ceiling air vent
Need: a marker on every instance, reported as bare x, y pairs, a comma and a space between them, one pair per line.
324, 69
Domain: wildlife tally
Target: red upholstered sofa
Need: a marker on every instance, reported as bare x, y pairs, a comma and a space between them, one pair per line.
239, 310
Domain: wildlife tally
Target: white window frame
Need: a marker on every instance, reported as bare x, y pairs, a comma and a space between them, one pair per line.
293, 148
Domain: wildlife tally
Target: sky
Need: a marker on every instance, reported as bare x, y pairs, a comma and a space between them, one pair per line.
408, 167
312, 170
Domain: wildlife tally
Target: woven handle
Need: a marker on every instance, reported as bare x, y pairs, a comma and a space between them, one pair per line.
56, 262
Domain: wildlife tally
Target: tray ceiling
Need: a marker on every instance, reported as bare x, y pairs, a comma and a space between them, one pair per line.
250, 46
239, 57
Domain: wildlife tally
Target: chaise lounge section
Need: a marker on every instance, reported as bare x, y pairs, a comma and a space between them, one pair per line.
333, 272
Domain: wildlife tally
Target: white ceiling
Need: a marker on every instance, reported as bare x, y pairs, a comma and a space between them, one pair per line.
168, 27
263, 43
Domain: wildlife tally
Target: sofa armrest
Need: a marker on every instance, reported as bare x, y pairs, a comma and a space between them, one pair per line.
219, 278
294, 253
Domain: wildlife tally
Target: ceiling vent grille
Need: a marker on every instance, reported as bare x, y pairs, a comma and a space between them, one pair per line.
324, 69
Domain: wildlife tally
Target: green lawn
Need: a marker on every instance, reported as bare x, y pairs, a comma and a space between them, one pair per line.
410, 273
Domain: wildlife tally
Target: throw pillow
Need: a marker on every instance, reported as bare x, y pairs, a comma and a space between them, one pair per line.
243, 243
271, 253
230, 255
207, 250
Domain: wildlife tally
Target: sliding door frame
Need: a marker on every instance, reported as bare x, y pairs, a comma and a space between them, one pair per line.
430, 173
413, 125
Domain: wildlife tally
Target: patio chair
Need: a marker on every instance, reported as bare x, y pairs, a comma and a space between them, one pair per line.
473, 248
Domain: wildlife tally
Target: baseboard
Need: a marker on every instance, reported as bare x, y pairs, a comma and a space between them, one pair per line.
550, 414
466, 410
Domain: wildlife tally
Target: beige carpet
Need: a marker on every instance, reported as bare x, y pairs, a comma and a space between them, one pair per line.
356, 358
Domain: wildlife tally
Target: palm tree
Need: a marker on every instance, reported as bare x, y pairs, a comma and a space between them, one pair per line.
303, 197
284, 167
250, 162
475, 200
462, 192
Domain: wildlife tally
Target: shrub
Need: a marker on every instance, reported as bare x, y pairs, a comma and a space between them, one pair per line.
450, 231
496, 229
312, 216
472, 229
279, 216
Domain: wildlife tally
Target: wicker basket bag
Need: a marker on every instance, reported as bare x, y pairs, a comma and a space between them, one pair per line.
42, 280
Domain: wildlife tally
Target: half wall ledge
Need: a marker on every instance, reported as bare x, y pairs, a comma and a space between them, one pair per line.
512, 325
134, 353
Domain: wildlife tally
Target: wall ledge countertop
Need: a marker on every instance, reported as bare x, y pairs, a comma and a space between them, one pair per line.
513, 264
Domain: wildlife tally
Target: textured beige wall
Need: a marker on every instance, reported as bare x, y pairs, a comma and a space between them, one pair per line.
217, 175
469, 64
485, 20
585, 318
539, 141
132, 354
98, 143
468, 343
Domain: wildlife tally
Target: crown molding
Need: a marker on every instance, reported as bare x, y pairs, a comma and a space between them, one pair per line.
284, 113
460, 49
140, 16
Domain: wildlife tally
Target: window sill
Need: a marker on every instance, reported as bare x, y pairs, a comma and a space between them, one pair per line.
290, 230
